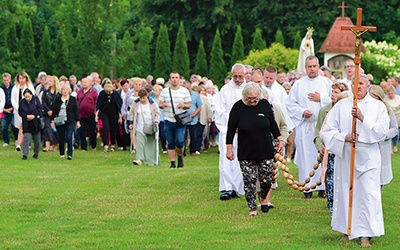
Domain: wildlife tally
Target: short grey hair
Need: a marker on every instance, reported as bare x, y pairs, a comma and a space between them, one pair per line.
308, 58
251, 86
238, 66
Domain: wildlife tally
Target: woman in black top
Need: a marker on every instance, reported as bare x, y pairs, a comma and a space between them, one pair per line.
253, 119
30, 110
66, 118
108, 109
48, 97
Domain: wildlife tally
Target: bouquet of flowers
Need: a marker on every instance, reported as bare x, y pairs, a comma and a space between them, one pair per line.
293, 76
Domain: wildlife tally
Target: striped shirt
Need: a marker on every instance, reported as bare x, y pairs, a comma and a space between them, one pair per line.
180, 95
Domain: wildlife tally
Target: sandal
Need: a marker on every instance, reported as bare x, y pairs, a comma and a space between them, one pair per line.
112, 148
105, 148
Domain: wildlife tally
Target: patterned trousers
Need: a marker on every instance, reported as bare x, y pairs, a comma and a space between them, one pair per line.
249, 172
329, 182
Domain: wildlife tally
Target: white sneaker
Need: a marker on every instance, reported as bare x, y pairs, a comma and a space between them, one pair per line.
197, 152
164, 152
288, 160
5, 145
18, 148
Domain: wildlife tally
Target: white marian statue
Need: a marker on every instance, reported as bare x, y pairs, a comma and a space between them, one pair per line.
306, 49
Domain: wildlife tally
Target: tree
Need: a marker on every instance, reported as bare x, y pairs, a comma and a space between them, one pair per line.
45, 60
79, 56
61, 56
284, 59
180, 59
143, 55
163, 53
27, 48
217, 70
12, 39
128, 65
237, 47
201, 66
297, 40
258, 41
279, 37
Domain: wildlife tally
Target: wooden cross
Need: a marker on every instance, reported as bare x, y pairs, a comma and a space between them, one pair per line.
358, 30
342, 7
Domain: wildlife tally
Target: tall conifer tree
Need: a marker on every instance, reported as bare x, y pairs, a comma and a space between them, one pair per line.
127, 65
237, 46
180, 59
26, 47
61, 55
143, 50
279, 37
201, 67
297, 40
163, 53
217, 70
258, 41
12, 39
45, 60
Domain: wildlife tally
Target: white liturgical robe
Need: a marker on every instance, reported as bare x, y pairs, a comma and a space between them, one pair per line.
297, 102
367, 217
230, 175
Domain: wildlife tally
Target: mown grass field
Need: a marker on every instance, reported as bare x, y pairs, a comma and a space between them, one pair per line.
100, 201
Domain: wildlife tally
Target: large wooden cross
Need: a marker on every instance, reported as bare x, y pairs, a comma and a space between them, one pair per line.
358, 30
342, 7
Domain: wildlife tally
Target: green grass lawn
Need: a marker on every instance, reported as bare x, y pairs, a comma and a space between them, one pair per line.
99, 201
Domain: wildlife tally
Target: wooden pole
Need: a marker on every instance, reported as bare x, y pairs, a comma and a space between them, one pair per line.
358, 30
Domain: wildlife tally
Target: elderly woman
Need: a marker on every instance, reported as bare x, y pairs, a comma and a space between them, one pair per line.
22, 82
386, 164
145, 113
30, 110
393, 101
253, 119
66, 118
108, 109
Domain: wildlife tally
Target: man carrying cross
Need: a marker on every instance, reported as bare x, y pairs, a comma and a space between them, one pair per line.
372, 125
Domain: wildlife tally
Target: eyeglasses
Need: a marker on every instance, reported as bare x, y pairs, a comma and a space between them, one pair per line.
248, 98
349, 66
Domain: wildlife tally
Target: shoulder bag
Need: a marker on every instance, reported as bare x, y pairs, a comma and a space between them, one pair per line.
147, 129
183, 118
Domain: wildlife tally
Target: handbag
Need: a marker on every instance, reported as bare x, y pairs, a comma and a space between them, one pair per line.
39, 121
59, 120
147, 129
183, 118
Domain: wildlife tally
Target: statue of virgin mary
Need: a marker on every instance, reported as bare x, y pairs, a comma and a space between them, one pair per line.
306, 49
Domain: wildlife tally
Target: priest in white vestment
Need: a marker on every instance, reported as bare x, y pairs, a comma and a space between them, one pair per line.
278, 92
307, 96
230, 175
371, 128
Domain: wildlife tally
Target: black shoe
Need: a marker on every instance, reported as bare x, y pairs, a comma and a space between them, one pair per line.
234, 195
35, 156
265, 208
308, 195
172, 165
225, 197
69, 157
180, 162
24, 157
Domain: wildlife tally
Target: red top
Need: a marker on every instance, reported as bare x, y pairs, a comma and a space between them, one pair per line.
87, 102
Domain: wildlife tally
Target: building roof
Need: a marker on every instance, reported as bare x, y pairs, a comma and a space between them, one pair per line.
338, 40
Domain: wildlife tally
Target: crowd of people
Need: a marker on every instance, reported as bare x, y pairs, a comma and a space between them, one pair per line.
255, 115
